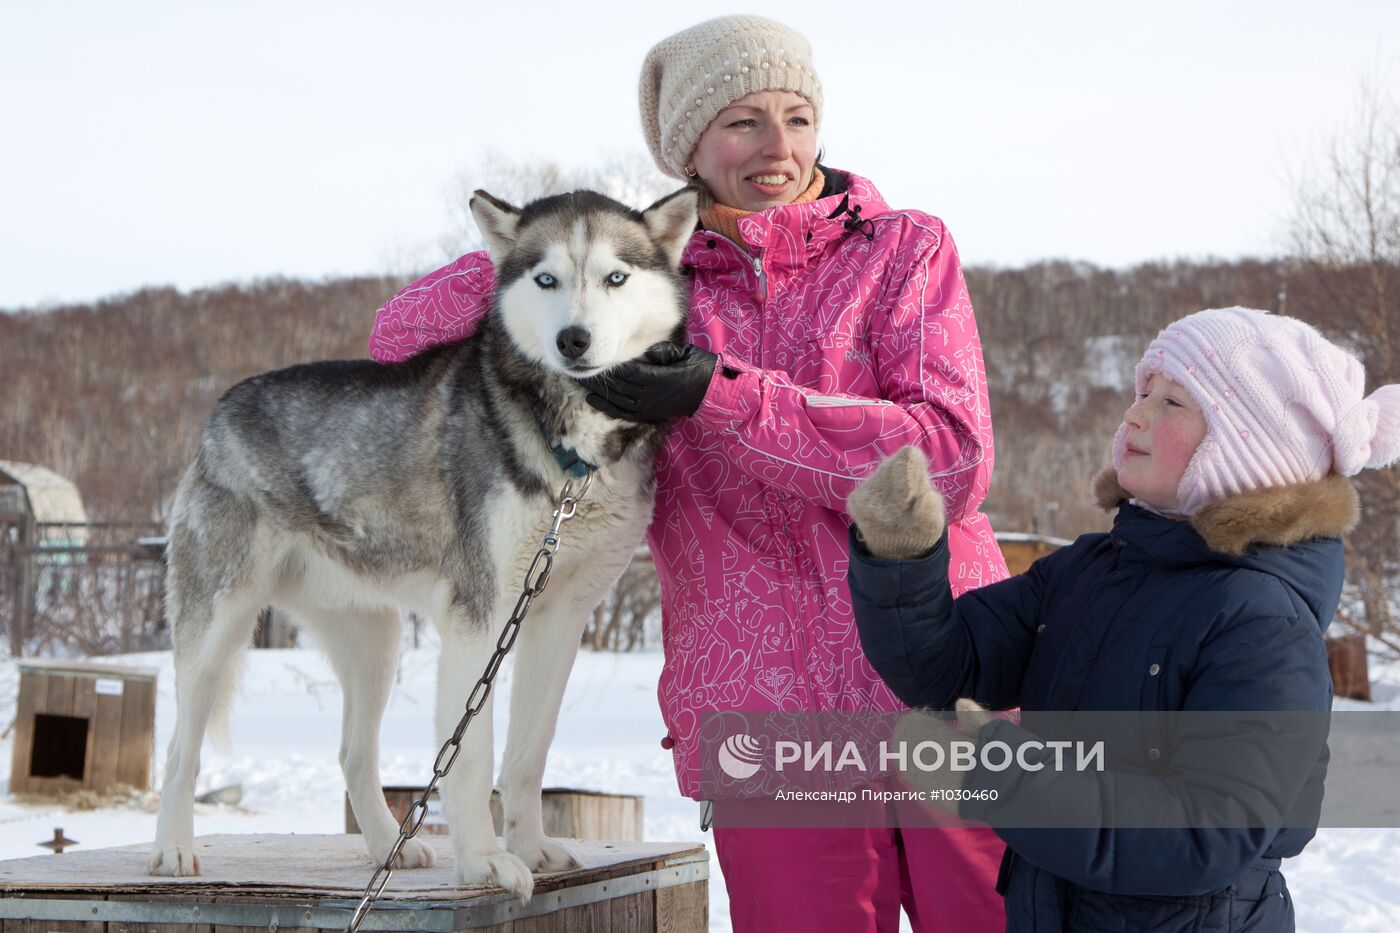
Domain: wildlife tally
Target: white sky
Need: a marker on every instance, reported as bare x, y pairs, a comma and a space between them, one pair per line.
191, 142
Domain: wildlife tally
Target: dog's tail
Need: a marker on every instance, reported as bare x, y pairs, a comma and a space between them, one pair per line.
219, 732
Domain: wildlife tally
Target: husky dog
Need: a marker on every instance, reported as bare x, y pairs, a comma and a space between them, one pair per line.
342, 492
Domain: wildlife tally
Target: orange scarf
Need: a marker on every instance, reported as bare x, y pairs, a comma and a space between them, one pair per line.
724, 219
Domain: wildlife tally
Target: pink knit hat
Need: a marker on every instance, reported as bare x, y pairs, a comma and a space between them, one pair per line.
1283, 404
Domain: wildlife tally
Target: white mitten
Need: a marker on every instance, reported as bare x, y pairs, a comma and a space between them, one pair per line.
897, 511
921, 727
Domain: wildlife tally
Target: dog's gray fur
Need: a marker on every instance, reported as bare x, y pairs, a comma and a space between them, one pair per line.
343, 492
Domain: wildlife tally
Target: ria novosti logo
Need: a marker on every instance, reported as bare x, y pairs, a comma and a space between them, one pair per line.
741, 756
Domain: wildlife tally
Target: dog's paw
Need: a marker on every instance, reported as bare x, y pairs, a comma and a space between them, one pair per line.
544, 854
414, 854
500, 868
173, 860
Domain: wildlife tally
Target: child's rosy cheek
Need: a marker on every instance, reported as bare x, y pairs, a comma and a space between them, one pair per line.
1178, 445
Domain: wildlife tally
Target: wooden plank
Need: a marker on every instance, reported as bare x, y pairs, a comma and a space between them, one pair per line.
572, 814
634, 912
596, 918
137, 741
84, 693
40, 686
611, 817
60, 695
631, 820
92, 669
84, 698
684, 908
557, 813
106, 740
585, 918
30, 688
548, 923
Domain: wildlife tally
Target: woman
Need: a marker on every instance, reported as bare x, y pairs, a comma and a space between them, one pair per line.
827, 331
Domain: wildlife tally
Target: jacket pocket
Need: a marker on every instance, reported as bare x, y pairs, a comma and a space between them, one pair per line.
836, 401
1260, 909
1098, 912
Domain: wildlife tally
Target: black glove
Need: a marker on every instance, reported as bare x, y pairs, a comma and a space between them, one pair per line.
668, 381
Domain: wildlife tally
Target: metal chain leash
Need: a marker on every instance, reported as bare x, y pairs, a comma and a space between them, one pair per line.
535, 579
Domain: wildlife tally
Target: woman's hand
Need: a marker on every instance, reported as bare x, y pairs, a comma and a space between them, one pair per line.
668, 381
897, 511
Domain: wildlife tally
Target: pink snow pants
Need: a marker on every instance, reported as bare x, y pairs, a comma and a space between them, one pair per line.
854, 880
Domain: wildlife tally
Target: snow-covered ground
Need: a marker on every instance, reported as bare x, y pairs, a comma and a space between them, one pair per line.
286, 724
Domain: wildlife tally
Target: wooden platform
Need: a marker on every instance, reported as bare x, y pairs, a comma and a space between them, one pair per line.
278, 882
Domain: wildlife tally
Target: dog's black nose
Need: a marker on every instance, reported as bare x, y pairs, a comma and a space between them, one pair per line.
572, 342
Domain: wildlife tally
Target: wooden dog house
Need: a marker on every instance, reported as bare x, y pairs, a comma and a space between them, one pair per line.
1346, 661
83, 726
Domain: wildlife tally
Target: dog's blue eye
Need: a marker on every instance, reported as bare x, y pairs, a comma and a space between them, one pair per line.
617, 278
545, 280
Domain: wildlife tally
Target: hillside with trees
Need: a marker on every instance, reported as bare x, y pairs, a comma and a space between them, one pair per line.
113, 395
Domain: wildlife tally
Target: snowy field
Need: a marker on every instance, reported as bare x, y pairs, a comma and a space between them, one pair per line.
286, 725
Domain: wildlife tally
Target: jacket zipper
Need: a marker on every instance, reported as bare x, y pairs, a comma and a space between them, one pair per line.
800, 596
801, 607
755, 260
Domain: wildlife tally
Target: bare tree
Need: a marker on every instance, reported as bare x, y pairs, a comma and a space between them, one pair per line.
1347, 218
1344, 235
626, 619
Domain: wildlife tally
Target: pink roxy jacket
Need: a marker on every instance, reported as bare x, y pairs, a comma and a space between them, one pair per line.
850, 343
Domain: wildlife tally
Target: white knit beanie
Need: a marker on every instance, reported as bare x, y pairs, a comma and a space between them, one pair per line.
688, 78
1282, 403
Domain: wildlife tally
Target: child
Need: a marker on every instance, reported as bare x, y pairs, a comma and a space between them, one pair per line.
1212, 592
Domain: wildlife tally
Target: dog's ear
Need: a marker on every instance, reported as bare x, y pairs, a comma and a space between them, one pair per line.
672, 220
497, 221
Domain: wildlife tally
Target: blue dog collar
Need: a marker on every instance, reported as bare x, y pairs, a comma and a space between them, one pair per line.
570, 462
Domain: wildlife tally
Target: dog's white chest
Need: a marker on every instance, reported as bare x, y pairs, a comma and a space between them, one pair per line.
610, 519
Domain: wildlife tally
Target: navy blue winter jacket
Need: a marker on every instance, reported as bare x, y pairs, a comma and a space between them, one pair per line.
1226, 612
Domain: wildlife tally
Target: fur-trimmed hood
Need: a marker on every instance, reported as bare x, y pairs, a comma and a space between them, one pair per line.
1279, 515
1289, 533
